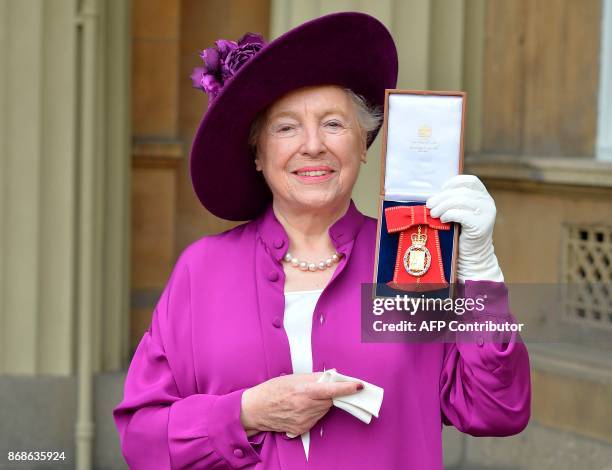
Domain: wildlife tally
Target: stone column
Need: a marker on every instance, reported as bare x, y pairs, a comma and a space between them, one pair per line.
42, 192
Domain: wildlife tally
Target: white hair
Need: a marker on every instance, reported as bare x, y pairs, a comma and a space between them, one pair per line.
369, 117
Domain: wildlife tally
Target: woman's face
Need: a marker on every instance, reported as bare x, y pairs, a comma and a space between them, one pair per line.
310, 147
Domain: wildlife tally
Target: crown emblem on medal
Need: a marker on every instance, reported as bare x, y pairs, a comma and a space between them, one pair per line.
425, 131
419, 239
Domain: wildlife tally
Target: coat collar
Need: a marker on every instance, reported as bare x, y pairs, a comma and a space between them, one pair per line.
342, 231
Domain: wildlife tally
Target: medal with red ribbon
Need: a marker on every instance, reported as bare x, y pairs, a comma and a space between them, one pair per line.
418, 265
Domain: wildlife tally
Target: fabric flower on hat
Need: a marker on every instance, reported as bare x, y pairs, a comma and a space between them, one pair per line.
223, 60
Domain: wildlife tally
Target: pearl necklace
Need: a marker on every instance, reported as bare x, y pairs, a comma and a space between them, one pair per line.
306, 266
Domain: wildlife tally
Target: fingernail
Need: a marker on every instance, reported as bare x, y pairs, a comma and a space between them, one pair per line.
359, 386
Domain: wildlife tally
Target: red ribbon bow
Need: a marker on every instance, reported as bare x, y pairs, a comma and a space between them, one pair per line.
414, 223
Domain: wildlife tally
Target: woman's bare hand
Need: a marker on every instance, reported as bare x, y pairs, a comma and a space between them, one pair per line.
290, 403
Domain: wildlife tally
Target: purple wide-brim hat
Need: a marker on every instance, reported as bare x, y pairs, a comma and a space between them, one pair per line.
351, 50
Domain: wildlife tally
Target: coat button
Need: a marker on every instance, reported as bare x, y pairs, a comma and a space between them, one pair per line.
321, 318
279, 243
273, 276
238, 453
321, 432
276, 321
480, 341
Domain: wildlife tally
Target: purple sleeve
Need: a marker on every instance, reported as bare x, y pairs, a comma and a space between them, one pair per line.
159, 428
485, 385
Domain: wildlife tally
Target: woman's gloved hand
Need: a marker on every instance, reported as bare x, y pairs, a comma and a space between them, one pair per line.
465, 200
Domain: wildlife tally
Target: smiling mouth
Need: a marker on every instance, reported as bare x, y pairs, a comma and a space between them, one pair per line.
313, 172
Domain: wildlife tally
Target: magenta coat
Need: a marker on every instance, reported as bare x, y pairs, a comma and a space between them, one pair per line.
218, 329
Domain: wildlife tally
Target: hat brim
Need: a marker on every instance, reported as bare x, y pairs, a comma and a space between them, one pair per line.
351, 50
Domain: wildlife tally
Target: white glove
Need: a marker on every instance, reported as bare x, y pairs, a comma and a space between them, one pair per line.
465, 200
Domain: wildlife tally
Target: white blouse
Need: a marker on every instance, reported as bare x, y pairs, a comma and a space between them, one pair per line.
299, 307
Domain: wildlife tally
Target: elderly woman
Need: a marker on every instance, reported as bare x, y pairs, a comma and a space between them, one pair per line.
227, 371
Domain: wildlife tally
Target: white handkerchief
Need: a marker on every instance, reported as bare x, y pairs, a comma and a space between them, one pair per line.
362, 405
